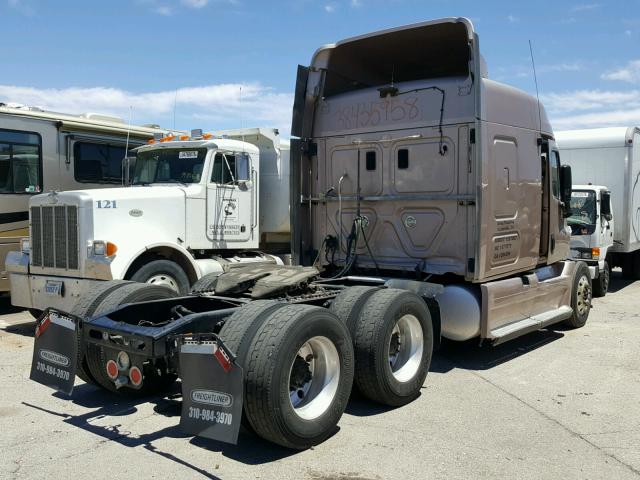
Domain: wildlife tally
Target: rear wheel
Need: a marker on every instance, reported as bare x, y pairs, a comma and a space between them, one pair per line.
299, 376
85, 308
35, 313
152, 380
601, 284
163, 273
393, 346
580, 296
631, 265
348, 304
240, 328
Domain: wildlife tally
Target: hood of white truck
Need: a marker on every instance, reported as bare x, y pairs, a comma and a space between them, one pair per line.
133, 218
89, 198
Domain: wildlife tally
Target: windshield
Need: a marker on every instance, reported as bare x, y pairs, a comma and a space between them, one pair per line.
583, 208
166, 165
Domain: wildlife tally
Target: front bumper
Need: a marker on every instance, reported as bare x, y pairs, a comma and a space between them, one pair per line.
29, 291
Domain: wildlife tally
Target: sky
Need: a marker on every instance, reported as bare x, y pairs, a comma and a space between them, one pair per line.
218, 64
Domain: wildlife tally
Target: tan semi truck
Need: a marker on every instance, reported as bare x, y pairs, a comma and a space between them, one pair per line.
428, 202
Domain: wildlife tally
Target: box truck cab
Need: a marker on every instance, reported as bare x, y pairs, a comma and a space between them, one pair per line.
193, 208
591, 223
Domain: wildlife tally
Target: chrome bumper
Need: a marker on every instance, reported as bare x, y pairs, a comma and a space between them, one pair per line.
29, 290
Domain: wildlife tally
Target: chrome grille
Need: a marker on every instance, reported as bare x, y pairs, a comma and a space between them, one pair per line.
54, 236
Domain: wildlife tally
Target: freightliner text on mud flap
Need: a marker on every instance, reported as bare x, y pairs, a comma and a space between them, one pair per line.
55, 351
212, 387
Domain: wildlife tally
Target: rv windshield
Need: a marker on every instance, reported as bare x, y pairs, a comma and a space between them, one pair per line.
583, 208
169, 165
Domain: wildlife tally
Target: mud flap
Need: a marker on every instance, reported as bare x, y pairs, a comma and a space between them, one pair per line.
212, 387
55, 351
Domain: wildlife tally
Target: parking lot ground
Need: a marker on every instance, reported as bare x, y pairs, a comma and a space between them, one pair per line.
553, 404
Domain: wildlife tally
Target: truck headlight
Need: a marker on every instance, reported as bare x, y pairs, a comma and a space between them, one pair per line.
586, 255
25, 245
104, 249
595, 253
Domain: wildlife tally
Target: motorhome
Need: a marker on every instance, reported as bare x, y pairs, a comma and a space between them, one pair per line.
43, 151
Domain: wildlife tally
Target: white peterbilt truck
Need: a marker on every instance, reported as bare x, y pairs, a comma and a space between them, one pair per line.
193, 208
427, 202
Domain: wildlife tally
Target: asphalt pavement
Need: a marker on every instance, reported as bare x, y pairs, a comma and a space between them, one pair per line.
555, 404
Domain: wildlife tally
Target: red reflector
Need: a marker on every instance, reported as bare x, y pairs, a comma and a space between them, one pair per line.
112, 369
223, 359
43, 326
135, 375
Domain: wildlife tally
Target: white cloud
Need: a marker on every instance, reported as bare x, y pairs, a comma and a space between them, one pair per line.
330, 7
195, 3
585, 7
613, 118
512, 19
630, 73
561, 67
356, 3
219, 106
22, 6
592, 108
164, 10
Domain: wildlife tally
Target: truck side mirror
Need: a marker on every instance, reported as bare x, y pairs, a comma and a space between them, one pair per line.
565, 189
605, 206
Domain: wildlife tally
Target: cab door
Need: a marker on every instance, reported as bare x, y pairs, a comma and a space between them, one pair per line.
559, 236
231, 201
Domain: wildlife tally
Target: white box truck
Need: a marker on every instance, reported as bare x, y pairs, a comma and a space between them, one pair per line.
427, 201
196, 205
611, 157
42, 151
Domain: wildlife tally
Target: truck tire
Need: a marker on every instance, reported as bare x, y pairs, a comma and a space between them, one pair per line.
631, 266
298, 376
84, 309
393, 346
129, 292
35, 313
580, 296
348, 304
601, 284
206, 284
240, 328
163, 273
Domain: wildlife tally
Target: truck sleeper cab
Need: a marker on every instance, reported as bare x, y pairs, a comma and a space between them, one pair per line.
427, 201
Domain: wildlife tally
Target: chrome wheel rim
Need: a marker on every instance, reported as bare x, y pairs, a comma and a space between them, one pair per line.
583, 294
314, 376
406, 346
164, 280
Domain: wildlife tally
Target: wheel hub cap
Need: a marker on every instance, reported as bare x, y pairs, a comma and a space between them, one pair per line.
313, 377
406, 346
